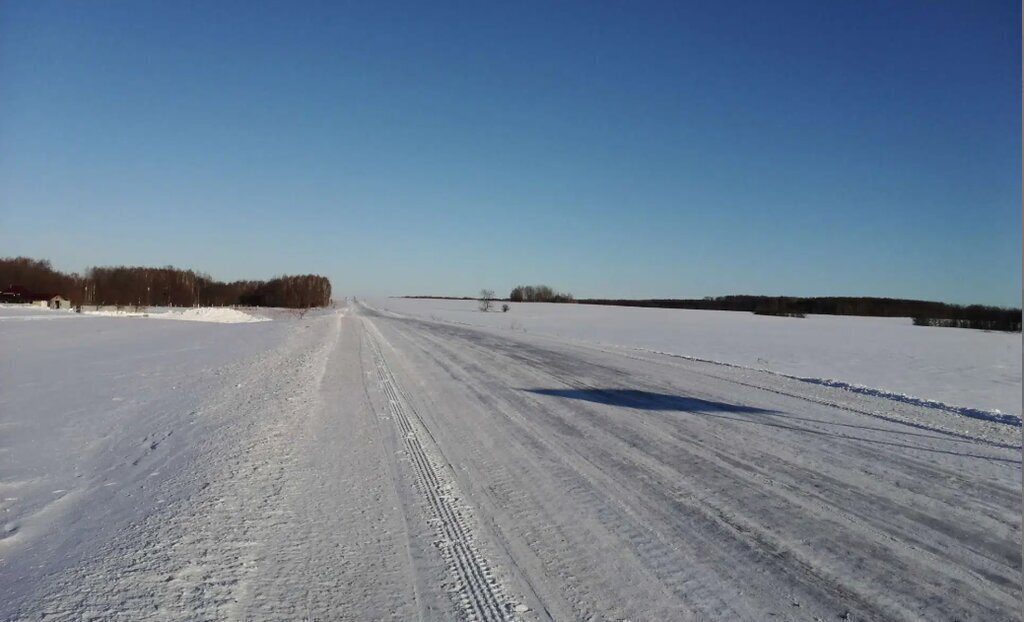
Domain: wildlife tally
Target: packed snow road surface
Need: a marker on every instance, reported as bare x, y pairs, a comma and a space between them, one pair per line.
361, 465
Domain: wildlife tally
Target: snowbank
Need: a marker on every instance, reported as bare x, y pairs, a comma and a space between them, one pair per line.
218, 315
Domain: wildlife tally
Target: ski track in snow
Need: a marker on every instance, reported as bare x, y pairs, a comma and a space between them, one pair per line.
363, 465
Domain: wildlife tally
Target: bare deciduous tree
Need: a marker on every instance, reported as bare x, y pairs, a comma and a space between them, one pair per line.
486, 295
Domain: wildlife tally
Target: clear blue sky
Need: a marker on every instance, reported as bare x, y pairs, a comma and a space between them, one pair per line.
622, 149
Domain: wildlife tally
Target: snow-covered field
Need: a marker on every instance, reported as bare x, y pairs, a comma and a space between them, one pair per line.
98, 416
353, 464
965, 368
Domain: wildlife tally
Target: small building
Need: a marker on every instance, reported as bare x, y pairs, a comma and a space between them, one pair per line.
58, 302
20, 295
49, 301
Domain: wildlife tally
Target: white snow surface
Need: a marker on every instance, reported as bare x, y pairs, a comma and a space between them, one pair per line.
216, 315
965, 368
355, 465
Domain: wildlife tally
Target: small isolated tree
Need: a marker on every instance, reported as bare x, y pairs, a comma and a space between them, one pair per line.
485, 299
505, 308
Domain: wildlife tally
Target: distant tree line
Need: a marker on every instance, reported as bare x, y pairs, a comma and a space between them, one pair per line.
538, 293
521, 293
440, 297
39, 277
925, 312
983, 318
168, 286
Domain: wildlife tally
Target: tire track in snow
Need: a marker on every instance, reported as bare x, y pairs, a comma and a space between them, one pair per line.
729, 514
595, 495
476, 588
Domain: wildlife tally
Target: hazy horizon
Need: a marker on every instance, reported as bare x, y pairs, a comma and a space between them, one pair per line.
668, 150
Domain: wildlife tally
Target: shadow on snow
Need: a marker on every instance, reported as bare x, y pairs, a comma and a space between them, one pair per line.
646, 400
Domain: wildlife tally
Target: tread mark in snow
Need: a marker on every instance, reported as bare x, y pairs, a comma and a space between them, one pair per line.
475, 587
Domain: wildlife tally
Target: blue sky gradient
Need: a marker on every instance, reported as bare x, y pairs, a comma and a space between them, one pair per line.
623, 149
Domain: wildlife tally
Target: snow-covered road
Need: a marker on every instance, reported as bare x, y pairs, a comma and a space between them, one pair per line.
361, 465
